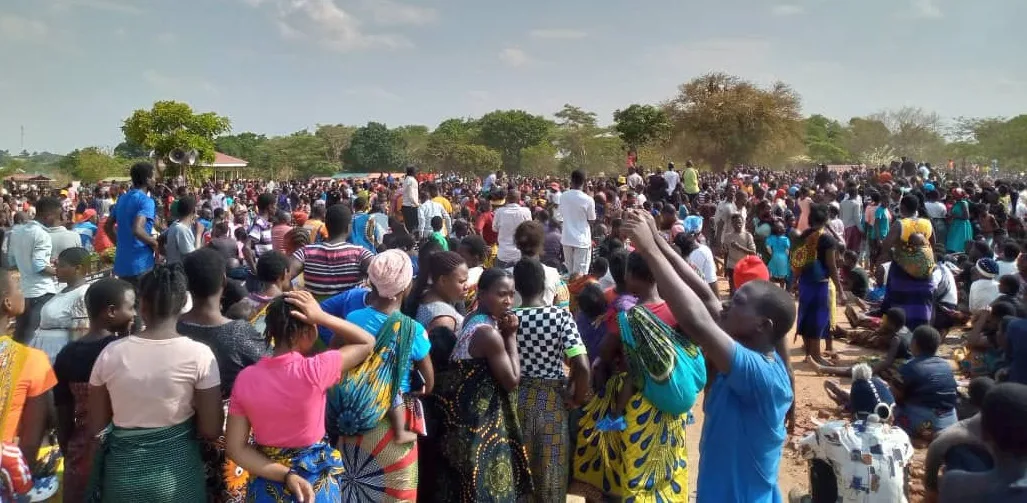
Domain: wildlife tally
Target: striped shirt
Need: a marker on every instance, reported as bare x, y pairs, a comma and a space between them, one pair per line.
260, 233
332, 268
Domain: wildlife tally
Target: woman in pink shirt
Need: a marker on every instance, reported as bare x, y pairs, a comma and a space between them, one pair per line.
282, 399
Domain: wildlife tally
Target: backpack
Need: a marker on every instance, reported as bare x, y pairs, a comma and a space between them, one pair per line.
366, 392
669, 369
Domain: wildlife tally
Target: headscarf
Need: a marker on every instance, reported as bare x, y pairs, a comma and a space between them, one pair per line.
693, 224
750, 268
987, 268
390, 272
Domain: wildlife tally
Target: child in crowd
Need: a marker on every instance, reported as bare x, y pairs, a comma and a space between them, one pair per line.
854, 278
110, 303
437, 235
739, 243
927, 394
778, 245
1007, 262
590, 318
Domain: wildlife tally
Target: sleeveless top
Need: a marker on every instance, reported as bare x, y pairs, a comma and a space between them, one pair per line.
912, 226
463, 339
431, 310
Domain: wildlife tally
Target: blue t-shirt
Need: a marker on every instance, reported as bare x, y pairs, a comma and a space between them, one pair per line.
371, 319
1016, 350
87, 231
133, 257
744, 430
340, 306
928, 381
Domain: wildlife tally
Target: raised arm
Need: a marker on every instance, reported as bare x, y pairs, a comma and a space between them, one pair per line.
688, 307
684, 272
354, 343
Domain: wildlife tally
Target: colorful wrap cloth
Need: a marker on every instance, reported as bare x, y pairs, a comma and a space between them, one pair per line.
320, 464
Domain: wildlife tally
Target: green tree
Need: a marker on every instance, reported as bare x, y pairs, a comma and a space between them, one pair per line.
335, 138
170, 124
825, 140
90, 165
867, 140
415, 142
299, 155
540, 160
915, 132
245, 146
723, 119
641, 125
583, 145
475, 159
442, 147
374, 148
1004, 140
509, 132
128, 150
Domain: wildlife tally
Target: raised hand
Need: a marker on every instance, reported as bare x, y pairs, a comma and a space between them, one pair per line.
641, 229
307, 309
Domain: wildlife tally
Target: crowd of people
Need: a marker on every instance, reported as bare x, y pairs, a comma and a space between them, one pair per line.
458, 339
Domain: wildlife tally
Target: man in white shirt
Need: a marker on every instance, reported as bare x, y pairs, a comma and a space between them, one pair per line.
984, 289
410, 200
428, 210
578, 210
490, 182
634, 179
505, 222
851, 212
672, 177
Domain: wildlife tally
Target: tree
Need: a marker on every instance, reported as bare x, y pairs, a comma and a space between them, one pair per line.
475, 159
867, 140
245, 146
641, 125
128, 150
509, 132
824, 140
915, 132
90, 165
981, 140
335, 138
374, 148
442, 148
583, 145
415, 142
299, 155
170, 125
724, 119
540, 160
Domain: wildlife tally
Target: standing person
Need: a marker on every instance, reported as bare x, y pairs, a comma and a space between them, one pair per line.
333, 266
473, 403
258, 236
24, 385
153, 453
547, 336
804, 203
960, 231
236, 345
85, 226
672, 178
430, 209
183, 235
110, 303
505, 222
281, 399
814, 260
852, 219
411, 201
63, 318
315, 223
738, 245
752, 391
579, 213
690, 181
134, 214
29, 251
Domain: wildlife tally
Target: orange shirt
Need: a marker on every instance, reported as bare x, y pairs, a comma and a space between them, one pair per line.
36, 378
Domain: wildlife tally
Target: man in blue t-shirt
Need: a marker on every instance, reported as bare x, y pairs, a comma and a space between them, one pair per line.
751, 396
135, 211
340, 306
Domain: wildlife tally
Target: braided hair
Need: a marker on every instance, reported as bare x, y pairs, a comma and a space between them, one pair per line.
435, 266
281, 328
162, 291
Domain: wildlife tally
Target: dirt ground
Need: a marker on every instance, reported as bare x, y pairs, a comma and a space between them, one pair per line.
812, 404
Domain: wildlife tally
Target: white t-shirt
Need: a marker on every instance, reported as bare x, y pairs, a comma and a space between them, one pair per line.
702, 260
869, 459
1005, 268
935, 209
410, 191
505, 222
577, 209
634, 180
672, 178
982, 293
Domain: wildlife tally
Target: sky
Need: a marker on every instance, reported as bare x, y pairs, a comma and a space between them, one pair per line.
72, 70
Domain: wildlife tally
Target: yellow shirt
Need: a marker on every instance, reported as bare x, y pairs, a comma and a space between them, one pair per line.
445, 204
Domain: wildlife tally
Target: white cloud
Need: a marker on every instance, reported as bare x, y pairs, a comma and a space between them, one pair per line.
393, 13
557, 34
785, 10
325, 23
514, 57
926, 9
120, 6
21, 29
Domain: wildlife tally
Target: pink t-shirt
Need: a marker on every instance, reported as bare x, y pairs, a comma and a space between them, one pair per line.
152, 381
283, 397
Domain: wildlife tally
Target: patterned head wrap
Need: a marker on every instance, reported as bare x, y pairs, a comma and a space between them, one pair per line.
390, 272
987, 268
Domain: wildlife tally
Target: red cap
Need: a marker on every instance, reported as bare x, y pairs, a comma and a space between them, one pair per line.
750, 268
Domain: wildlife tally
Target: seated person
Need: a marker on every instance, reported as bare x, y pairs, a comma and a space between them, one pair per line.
890, 324
1008, 289
1012, 338
868, 394
981, 354
1003, 415
854, 278
927, 394
835, 475
984, 288
962, 446
1007, 262
898, 338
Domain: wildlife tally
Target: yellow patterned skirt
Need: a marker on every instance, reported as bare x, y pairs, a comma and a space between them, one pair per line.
645, 463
